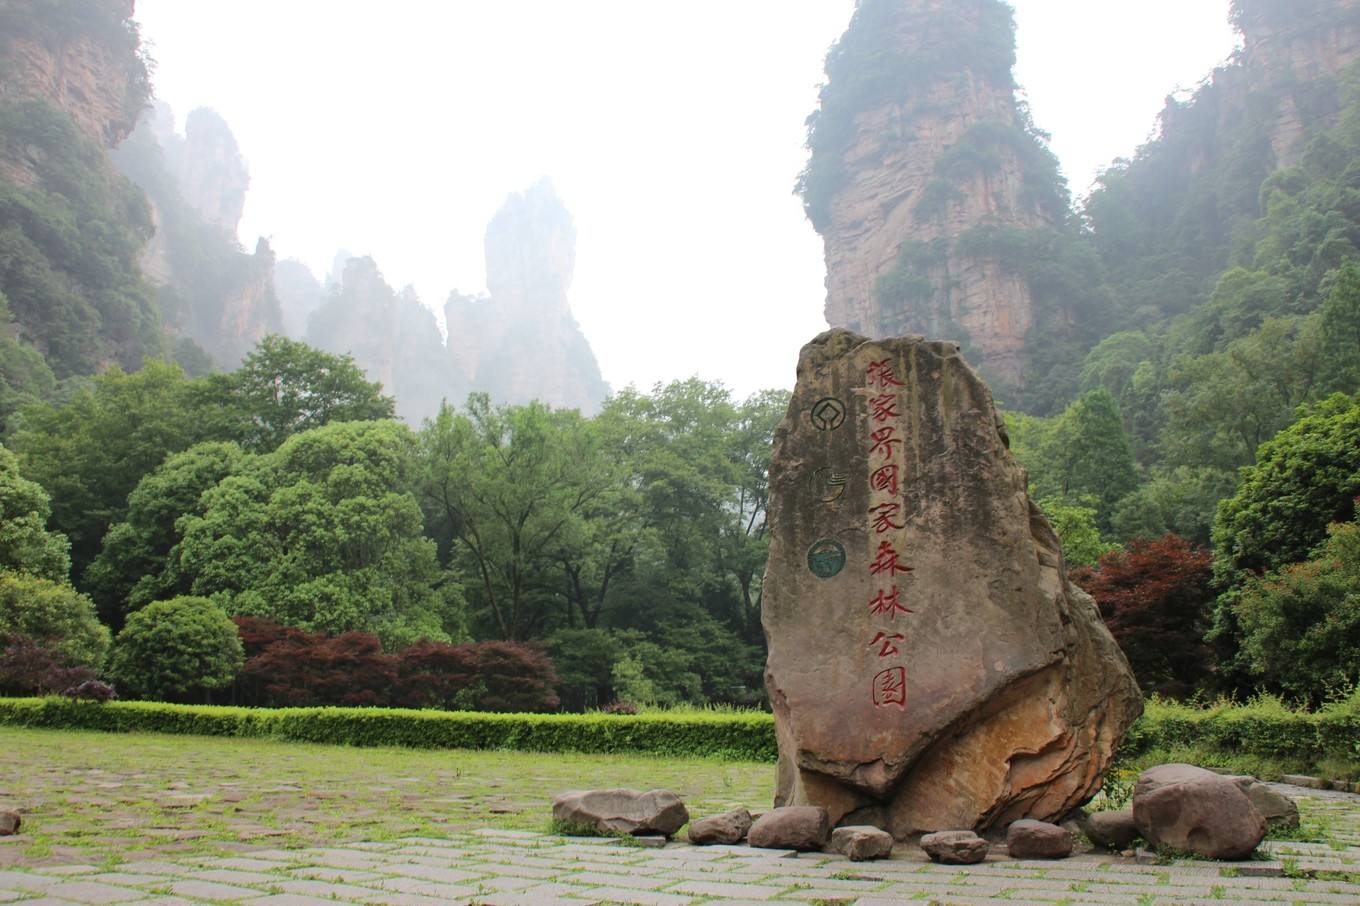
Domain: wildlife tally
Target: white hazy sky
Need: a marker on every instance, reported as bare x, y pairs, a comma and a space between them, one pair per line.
672, 130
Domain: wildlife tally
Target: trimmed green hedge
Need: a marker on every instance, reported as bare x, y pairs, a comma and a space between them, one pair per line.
1263, 728
733, 736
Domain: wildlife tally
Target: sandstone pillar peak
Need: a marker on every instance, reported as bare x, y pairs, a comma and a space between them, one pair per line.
930, 665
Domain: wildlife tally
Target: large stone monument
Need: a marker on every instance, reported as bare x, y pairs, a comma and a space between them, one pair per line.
931, 667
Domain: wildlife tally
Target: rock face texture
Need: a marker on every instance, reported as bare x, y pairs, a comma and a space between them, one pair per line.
1198, 811
955, 847
391, 335
1028, 839
87, 68
523, 344
1112, 829
208, 169
860, 843
927, 653
804, 828
729, 827
622, 811
1285, 48
905, 174
212, 290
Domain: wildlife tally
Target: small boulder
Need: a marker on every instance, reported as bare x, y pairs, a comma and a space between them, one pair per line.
621, 812
9, 823
1111, 830
862, 842
1197, 811
1030, 839
1278, 809
958, 847
729, 827
805, 828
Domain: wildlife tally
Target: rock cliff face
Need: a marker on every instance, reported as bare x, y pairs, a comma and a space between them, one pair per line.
211, 290
918, 145
392, 337
931, 667
1288, 49
84, 61
522, 343
208, 169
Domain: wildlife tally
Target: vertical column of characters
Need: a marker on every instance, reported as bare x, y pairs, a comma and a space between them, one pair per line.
887, 473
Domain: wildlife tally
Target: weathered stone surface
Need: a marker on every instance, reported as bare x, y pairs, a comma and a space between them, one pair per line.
729, 827
1029, 839
862, 842
10, 823
993, 691
1198, 811
622, 811
955, 847
803, 828
1278, 810
893, 162
1112, 830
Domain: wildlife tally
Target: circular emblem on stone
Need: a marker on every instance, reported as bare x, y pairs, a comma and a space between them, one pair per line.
826, 558
827, 414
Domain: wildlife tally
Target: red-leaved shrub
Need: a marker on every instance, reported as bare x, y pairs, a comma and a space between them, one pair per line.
1155, 597
27, 667
290, 667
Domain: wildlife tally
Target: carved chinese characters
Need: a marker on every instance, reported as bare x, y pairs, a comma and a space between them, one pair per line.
887, 522
930, 666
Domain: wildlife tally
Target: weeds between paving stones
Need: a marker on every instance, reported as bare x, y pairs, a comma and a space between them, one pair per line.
84, 791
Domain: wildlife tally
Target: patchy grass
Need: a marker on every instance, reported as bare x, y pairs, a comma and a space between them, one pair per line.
88, 796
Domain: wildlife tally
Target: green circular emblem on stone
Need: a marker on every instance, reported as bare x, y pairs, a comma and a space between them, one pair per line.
826, 558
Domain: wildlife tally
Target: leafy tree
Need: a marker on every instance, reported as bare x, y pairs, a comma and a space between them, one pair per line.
53, 616
324, 534
1179, 501
25, 543
174, 650
71, 233
89, 453
1224, 405
1340, 352
25, 378
585, 660
1155, 598
285, 387
1305, 478
1075, 523
1090, 455
139, 563
507, 485
1301, 624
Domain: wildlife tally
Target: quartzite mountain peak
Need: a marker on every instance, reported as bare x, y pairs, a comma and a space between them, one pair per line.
922, 164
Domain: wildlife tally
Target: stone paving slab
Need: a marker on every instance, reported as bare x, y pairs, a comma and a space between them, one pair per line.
510, 868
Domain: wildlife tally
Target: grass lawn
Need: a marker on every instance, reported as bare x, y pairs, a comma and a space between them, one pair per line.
93, 797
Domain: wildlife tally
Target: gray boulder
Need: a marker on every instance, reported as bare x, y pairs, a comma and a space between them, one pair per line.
1029, 839
1278, 809
1111, 830
959, 847
862, 842
802, 827
1197, 811
729, 827
622, 812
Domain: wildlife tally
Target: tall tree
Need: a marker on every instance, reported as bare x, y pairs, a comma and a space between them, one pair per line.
325, 533
506, 485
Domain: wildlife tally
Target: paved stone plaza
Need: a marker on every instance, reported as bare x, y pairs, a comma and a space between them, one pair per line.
496, 866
